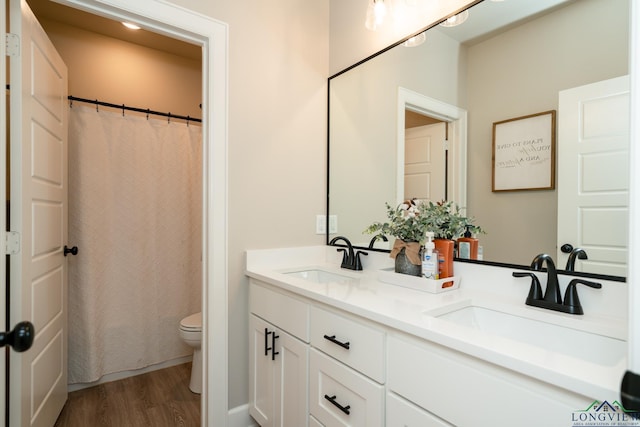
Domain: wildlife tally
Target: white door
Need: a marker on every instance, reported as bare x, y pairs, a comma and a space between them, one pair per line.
424, 162
593, 179
38, 285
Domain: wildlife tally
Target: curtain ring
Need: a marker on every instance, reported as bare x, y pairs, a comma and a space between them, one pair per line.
188, 118
97, 111
168, 117
122, 110
147, 114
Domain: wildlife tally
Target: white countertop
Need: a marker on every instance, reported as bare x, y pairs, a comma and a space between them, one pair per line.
492, 287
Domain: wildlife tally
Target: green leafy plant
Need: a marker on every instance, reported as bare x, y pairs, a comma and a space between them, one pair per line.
410, 221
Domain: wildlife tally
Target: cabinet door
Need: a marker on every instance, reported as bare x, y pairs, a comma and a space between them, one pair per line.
291, 384
261, 372
278, 366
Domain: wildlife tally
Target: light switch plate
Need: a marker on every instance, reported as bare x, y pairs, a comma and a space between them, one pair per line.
333, 224
321, 224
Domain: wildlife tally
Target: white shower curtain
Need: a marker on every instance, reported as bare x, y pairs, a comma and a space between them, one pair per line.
135, 215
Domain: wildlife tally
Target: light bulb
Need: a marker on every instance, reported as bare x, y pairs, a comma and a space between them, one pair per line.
376, 11
131, 26
454, 20
379, 10
415, 40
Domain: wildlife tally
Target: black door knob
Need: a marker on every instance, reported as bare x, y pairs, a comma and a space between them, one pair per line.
72, 251
20, 338
566, 248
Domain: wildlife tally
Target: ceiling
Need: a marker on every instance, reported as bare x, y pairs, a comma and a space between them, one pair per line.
49, 10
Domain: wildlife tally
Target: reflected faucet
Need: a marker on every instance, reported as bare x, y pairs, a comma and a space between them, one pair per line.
571, 261
376, 237
350, 260
551, 299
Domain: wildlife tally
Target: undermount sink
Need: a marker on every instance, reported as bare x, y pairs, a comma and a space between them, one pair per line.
576, 343
321, 276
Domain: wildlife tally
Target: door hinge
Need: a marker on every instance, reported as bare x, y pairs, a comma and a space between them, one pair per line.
446, 144
12, 44
11, 242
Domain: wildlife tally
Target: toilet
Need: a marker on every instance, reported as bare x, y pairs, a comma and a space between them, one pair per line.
191, 333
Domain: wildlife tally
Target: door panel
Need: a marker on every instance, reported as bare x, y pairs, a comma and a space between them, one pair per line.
593, 182
38, 283
424, 169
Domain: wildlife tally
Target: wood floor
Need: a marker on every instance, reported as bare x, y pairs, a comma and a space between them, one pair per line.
160, 399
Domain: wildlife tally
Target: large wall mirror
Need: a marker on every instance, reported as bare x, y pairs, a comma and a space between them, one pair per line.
509, 59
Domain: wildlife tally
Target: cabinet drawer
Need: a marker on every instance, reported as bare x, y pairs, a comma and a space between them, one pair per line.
357, 345
287, 313
403, 413
339, 396
440, 380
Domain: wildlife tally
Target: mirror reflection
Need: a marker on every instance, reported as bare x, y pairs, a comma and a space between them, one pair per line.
509, 59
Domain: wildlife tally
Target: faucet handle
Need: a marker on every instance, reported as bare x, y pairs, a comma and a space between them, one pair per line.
571, 299
358, 263
535, 292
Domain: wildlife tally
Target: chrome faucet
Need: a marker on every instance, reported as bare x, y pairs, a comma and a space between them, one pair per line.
376, 237
551, 299
350, 259
571, 261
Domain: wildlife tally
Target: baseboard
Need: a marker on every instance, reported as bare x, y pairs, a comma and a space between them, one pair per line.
125, 374
239, 417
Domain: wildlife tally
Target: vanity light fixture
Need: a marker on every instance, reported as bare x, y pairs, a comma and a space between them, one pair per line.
376, 11
416, 40
456, 19
131, 26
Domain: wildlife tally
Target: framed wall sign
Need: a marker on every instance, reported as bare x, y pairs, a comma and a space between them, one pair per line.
524, 153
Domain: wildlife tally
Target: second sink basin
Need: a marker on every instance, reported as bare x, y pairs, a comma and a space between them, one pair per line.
576, 343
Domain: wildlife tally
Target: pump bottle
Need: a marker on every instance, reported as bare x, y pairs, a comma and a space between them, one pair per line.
430, 258
467, 246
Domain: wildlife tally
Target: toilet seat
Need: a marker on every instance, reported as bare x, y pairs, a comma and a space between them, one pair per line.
192, 323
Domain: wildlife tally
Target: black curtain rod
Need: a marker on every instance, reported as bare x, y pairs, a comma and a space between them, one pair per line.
139, 110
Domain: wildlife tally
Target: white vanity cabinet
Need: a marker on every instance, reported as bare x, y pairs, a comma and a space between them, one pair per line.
313, 364
278, 359
456, 389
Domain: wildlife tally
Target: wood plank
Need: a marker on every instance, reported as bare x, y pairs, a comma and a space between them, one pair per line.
158, 398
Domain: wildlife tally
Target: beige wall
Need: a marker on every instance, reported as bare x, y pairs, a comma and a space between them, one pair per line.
352, 42
364, 110
520, 72
125, 73
278, 66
